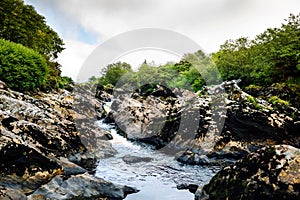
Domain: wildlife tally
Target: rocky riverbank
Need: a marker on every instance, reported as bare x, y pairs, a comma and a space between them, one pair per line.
45, 154
268, 173
186, 124
50, 144
231, 121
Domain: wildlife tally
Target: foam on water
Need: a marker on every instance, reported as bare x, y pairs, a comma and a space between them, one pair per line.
156, 179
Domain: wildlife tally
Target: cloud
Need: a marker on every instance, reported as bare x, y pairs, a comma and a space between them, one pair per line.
73, 57
207, 22
212, 21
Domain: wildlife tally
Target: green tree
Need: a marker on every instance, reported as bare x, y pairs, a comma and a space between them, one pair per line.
113, 72
273, 56
20, 23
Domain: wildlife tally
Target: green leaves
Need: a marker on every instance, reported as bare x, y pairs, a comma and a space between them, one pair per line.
273, 56
21, 68
20, 23
113, 72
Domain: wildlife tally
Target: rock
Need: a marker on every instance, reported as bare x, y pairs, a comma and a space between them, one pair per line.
38, 133
9, 194
135, 159
178, 120
288, 92
149, 114
268, 173
70, 168
3, 86
89, 159
188, 157
24, 168
82, 186
236, 154
191, 187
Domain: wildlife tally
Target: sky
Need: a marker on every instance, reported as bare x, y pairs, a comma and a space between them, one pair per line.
84, 25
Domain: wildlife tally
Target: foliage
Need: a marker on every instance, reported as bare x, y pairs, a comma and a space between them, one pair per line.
190, 73
273, 56
20, 23
113, 72
277, 102
253, 87
21, 68
66, 83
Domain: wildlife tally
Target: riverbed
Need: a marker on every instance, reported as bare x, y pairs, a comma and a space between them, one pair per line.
154, 173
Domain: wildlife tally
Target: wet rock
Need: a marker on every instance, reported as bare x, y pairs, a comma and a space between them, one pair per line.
268, 173
235, 154
106, 136
191, 187
188, 157
89, 159
82, 186
135, 159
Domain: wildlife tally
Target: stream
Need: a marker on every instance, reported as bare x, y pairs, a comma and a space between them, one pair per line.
155, 174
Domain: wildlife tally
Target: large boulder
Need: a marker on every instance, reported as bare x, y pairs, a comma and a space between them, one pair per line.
269, 173
83, 186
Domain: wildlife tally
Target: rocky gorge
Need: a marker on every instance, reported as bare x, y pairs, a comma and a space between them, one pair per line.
187, 125
50, 144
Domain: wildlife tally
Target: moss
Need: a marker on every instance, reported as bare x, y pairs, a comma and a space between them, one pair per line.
276, 101
108, 86
253, 87
254, 102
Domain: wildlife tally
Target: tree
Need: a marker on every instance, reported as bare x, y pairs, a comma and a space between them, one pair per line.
113, 72
21, 24
273, 56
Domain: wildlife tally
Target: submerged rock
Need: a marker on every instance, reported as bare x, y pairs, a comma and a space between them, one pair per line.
135, 159
269, 173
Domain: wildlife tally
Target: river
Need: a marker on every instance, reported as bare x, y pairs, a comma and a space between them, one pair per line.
154, 173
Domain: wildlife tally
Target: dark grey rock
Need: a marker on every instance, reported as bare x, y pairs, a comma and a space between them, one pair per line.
82, 186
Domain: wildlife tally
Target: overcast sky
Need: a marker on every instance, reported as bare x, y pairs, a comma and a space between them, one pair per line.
83, 25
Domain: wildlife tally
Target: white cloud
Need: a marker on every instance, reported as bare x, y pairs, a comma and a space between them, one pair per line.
73, 57
207, 22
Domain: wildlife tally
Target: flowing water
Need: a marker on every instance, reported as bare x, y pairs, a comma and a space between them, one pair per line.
155, 174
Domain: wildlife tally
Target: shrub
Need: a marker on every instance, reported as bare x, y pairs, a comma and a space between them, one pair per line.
21, 68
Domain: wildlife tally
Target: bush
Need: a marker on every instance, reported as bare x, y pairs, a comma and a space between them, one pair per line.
66, 83
21, 68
